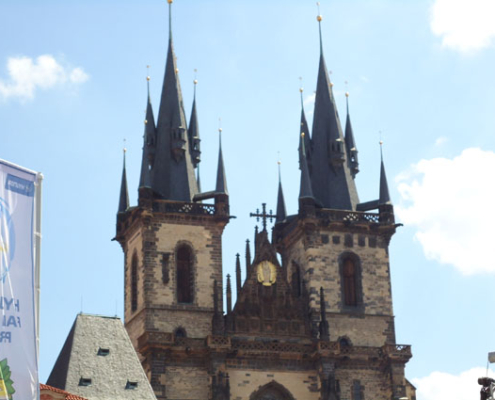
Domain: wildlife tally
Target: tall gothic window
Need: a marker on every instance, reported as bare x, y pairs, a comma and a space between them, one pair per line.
350, 283
134, 279
184, 274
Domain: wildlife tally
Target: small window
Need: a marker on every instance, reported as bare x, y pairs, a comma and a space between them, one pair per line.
103, 352
85, 382
184, 274
350, 278
180, 333
131, 385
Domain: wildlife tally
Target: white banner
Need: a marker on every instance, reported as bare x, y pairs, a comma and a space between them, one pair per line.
19, 234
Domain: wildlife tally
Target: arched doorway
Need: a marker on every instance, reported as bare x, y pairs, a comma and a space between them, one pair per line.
272, 391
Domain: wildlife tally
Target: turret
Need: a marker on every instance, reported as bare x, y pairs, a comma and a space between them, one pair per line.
350, 143
124, 193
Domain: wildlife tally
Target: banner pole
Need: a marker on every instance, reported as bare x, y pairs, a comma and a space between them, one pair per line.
37, 257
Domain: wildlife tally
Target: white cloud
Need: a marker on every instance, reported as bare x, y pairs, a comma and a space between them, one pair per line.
26, 76
440, 385
446, 200
464, 25
441, 141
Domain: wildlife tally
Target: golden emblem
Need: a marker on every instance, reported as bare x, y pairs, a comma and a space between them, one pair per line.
267, 273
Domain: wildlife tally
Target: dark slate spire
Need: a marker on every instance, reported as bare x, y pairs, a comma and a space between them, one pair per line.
229, 295
324, 328
281, 210
238, 274
350, 144
304, 129
305, 190
194, 140
124, 194
332, 182
221, 177
149, 143
384, 193
173, 171
248, 257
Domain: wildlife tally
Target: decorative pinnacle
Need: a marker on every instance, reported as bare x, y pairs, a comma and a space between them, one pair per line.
145, 121
220, 125
195, 76
170, 1
302, 135
124, 149
319, 18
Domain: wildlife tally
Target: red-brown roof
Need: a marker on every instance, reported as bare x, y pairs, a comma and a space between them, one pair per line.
68, 396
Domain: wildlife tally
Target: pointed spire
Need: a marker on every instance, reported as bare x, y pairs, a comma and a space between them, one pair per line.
173, 171
324, 328
229, 295
350, 144
281, 210
305, 190
331, 177
221, 177
304, 129
194, 140
149, 142
124, 194
248, 257
384, 193
238, 282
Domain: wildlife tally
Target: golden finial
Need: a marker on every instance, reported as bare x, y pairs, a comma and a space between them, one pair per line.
302, 134
346, 92
381, 142
177, 70
145, 121
220, 125
301, 89
319, 17
148, 74
125, 150
170, 1
195, 76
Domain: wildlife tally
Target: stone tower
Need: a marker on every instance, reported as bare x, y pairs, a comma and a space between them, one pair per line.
171, 241
317, 325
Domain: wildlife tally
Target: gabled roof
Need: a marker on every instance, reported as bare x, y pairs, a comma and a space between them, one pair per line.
98, 362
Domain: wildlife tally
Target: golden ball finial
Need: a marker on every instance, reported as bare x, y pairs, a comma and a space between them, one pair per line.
148, 78
170, 1
177, 70
319, 18
125, 150
381, 142
195, 81
145, 121
220, 130
346, 94
331, 84
302, 134
301, 90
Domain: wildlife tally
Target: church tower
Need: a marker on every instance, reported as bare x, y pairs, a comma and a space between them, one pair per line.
172, 242
313, 319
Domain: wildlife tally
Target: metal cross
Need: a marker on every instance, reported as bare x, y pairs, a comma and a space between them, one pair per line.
264, 215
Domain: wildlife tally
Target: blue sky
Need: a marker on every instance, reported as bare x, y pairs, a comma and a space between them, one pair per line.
420, 77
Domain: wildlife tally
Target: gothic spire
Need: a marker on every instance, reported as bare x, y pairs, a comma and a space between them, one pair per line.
229, 295
149, 143
384, 193
281, 210
221, 177
238, 274
305, 190
124, 194
248, 257
194, 140
350, 144
173, 171
304, 129
333, 184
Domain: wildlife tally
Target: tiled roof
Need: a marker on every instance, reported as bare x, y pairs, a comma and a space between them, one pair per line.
99, 362
68, 396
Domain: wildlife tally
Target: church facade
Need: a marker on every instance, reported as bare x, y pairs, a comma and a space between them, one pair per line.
313, 318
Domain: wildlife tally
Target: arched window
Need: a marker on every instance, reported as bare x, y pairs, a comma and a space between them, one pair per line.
272, 391
180, 332
184, 257
134, 279
350, 283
